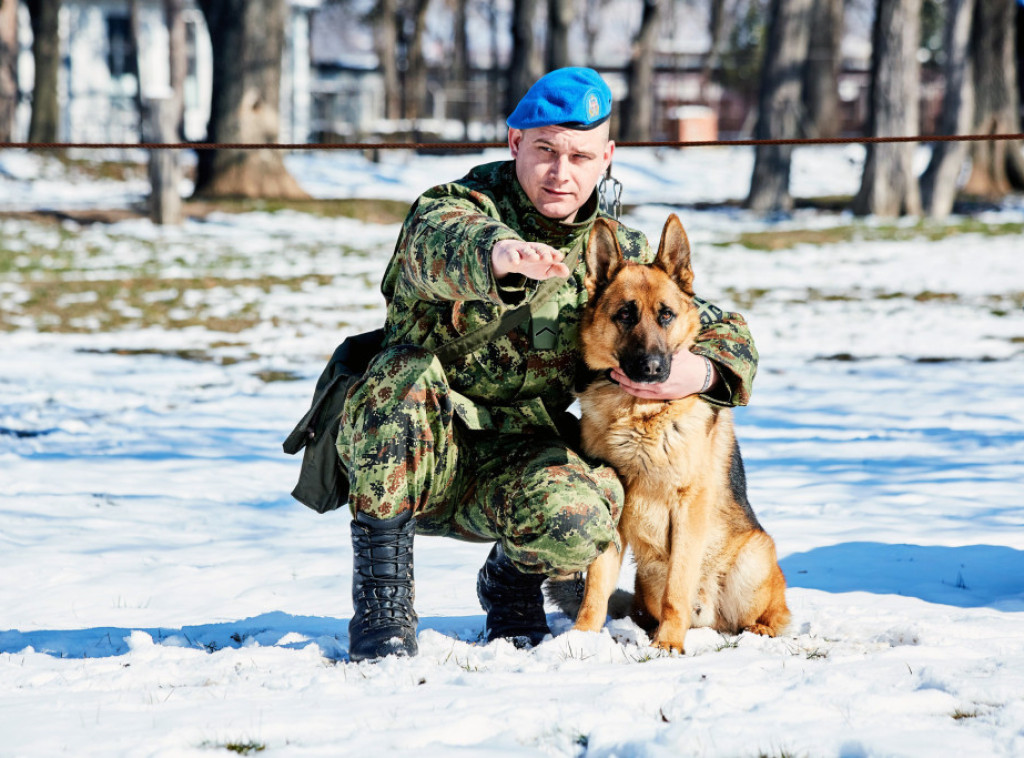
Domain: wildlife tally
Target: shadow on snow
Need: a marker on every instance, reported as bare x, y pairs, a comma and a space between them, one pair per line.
969, 576
276, 629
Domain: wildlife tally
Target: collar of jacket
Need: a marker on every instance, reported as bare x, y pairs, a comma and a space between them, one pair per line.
535, 226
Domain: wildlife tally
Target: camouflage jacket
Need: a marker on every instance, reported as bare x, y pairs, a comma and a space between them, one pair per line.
439, 285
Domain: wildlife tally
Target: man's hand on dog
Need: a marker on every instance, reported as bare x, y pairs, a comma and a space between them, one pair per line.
534, 260
687, 377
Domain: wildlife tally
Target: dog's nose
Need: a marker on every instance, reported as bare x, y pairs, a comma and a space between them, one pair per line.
647, 367
652, 366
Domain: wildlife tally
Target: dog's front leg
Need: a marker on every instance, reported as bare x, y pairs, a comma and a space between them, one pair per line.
686, 547
602, 577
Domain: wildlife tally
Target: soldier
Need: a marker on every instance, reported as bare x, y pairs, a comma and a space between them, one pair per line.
482, 449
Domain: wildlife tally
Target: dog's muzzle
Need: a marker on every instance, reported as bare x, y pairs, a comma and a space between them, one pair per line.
647, 368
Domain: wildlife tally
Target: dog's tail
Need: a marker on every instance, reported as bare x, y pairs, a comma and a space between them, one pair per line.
567, 595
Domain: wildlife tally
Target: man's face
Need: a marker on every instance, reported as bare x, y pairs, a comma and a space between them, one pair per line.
559, 167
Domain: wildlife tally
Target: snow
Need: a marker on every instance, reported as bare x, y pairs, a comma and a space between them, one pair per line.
163, 595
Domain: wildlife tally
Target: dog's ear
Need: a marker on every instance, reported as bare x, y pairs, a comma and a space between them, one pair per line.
604, 256
674, 254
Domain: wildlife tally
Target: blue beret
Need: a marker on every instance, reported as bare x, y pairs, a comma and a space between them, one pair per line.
577, 98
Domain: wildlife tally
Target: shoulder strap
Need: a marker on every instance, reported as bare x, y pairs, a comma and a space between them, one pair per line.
510, 319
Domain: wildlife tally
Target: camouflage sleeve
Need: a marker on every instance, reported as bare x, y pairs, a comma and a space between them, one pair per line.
634, 244
725, 339
446, 244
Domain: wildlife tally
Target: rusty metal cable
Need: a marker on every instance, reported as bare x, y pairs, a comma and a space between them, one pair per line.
455, 146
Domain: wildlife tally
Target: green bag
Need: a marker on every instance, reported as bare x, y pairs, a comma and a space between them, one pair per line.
323, 482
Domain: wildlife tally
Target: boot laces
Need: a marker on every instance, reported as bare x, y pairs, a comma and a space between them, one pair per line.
385, 587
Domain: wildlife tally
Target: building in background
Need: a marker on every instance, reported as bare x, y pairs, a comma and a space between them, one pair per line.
333, 86
98, 89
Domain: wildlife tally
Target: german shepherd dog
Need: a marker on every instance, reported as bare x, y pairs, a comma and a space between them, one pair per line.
702, 558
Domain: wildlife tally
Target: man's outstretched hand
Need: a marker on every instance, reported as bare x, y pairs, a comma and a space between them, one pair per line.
534, 260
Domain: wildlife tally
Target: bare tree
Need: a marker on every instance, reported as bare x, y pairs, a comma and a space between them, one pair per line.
821, 71
720, 14
460, 67
178, 62
494, 74
779, 104
415, 65
638, 108
718, 31
560, 18
44, 16
134, 34
248, 40
165, 123
399, 27
939, 181
888, 185
8, 67
742, 50
525, 67
996, 167
385, 21
1020, 50
593, 17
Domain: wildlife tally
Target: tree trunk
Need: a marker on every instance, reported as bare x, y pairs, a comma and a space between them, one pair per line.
134, 29
779, 104
460, 69
524, 68
718, 32
8, 68
939, 181
592, 17
248, 39
494, 75
165, 123
45, 17
821, 71
385, 25
416, 70
178, 69
638, 109
164, 173
996, 167
888, 185
560, 16
1020, 51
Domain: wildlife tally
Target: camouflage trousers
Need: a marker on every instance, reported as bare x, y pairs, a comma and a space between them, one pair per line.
404, 449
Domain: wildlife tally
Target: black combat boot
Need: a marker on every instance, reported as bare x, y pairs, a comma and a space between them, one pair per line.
513, 601
383, 620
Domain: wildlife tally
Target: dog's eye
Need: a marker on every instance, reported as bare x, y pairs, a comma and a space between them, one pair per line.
666, 317
627, 315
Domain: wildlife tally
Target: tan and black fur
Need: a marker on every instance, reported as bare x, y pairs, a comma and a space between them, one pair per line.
702, 558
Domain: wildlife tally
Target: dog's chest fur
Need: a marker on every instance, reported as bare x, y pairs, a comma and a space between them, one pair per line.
663, 452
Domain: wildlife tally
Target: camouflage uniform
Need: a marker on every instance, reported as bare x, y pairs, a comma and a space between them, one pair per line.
477, 450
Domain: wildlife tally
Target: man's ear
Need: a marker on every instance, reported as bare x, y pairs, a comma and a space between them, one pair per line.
674, 254
604, 256
515, 138
609, 151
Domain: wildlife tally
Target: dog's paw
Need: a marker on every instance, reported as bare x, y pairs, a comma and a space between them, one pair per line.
670, 635
590, 619
588, 626
672, 646
670, 639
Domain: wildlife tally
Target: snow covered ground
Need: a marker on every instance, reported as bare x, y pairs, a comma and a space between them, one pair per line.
163, 595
